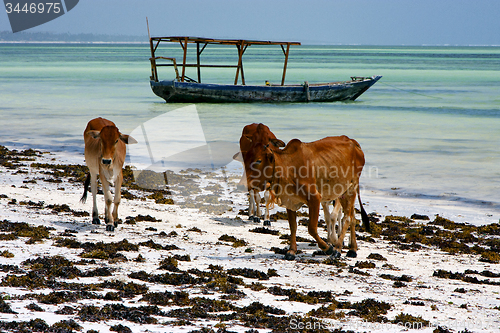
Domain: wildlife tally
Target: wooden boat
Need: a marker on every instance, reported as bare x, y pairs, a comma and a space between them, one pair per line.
183, 89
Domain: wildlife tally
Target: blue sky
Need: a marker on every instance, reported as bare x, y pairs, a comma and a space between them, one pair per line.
369, 22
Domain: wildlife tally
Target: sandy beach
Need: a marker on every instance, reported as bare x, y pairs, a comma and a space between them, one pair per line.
186, 259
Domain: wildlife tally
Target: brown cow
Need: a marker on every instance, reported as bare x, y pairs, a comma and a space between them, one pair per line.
311, 174
256, 134
105, 152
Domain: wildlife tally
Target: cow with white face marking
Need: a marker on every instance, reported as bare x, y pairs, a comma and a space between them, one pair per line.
105, 150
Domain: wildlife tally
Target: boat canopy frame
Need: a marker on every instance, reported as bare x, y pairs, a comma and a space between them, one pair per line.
201, 44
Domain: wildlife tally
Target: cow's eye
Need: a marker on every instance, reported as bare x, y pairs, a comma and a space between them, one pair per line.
258, 162
116, 141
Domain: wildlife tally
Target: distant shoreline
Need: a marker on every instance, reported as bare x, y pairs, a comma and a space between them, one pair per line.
67, 42
147, 43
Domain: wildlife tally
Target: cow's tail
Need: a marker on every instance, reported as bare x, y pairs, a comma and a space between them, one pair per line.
85, 189
364, 216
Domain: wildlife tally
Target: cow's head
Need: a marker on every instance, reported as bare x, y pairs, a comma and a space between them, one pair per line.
259, 166
109, 137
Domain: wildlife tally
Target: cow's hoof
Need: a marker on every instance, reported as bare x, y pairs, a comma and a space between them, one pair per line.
256, 219
330, 251
335, 254
351, 254
289, 256
115, 223
267, 223
95, 220
250, 217
110, 227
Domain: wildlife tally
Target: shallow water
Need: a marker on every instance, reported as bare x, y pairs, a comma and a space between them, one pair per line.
429, 128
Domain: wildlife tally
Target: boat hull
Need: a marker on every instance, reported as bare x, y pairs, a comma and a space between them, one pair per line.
188, 92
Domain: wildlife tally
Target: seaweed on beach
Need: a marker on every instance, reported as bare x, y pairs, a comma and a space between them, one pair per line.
312, 297
13, 159
440, 273
175, 279
23, 229
409, 321
126, 290
368, 309
5, 307
179, 298
263, 230
75, 172
153, 245
201, 307
248, 273
169, 264
39, 325
58, 297
449, 236
236, 241
140, 315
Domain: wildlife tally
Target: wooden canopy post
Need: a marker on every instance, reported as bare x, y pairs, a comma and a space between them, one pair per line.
286, 61
240, 63
198, 60
185, 46
154, 74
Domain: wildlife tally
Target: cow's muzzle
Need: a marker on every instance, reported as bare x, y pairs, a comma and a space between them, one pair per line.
106, 161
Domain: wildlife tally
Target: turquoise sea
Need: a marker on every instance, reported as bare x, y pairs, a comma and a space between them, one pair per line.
429, 128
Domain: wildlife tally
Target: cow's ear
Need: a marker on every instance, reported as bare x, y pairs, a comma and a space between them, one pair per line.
238, 157
127, 139
277, 143
94, 134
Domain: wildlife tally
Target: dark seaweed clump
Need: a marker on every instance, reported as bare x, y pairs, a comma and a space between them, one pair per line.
15, 230
101, 250
368, 309
141, 314
449, 236
440, 273
39, 325
13, 159
236, 242
263, 230
5, 307
75, 172
252, 273
312, 297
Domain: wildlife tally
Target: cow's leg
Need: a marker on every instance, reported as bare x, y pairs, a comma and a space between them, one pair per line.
118, 186
267, 199
108, 200
251, 204
353, 246
337, 218
258, 213
314, 203
292, 221
330, 223
348, 221
93, 188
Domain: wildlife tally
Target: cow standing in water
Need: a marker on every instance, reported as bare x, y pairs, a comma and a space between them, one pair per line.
312, 174
105, 152
252, 135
